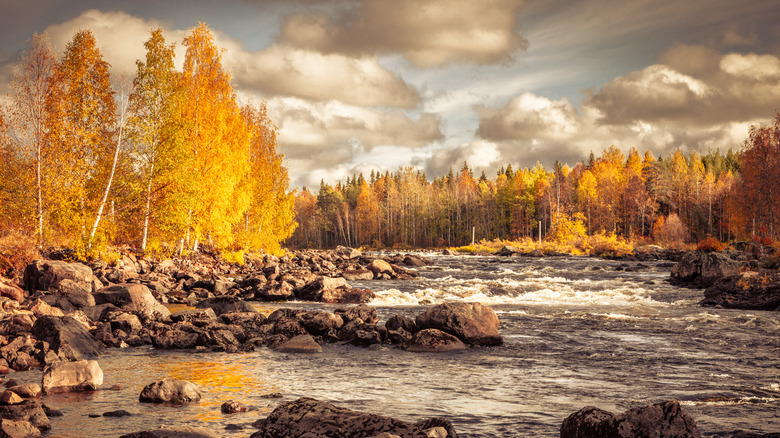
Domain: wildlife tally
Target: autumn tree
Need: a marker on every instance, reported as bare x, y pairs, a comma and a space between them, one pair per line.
157, 128
27, 116
81, 118
218, 142
269, 220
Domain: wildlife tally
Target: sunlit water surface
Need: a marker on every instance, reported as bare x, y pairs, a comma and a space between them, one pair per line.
577, 332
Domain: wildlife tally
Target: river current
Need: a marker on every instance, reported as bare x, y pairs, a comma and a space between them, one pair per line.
578, 332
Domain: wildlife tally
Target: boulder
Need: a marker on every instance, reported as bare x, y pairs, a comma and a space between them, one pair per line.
83, 375
8, 397
171, 339
448, 252
379, 267
11, 291
317, 419
662, 420
750, 290
320, 322
170, 391
472, 323
347, 295
49, 274
348, 253
41, 308
67, 338
399, 321
78, 294
433, 341
232, 407
507, 251
194, 314
314, 290
363, 312
702, 269
18, 429
173, 432
26, 390
226, 304
133, 297
300, 344
357, 275
29, 411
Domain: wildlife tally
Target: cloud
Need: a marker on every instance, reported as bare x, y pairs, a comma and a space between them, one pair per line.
428, 34
480, 156
528, 116
331, 135
698, 88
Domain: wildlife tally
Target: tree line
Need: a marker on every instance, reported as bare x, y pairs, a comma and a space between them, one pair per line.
168, 162
673, 199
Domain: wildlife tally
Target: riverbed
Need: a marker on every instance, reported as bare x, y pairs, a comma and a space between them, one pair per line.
578, 332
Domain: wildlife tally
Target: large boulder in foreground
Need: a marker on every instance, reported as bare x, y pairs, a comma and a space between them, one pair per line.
83, 375
133, 297
173, 432
29, 411
750, 290
661, 420
68, 339
317, 419
18, 429
472, 323
703, 269
170, 391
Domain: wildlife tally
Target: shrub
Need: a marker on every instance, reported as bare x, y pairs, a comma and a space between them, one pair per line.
17, 250
710, 244
670, 232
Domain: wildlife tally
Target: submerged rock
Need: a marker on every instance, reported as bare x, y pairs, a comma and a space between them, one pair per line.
300, 344
317, 419
173, 432
661, 420
433, 341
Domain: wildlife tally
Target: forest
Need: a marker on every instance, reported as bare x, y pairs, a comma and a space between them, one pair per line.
166, 163
671, 200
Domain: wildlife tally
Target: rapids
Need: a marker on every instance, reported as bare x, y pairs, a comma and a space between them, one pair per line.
578, 331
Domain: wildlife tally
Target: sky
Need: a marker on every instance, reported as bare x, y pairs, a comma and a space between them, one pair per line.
362, 85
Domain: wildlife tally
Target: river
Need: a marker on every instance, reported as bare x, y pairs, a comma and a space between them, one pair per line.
578, 332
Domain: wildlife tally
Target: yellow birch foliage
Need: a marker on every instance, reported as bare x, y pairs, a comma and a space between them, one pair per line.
218, 141
270, 218
81, 117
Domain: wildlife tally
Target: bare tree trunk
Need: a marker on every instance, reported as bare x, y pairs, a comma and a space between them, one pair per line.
148, 210
113, 169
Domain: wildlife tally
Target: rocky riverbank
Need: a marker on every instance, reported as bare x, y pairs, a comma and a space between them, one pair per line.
744, 276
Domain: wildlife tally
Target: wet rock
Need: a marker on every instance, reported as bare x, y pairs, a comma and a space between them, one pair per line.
299, 344
52, 411
743, 434
127, 322
357, 275
320, 322
750, 290
170, 391
66, 337
316, 419
448, 252
380, 267
117, 414
367, 335
171, 338
347, 295
665, 419
399, 321
226, 304
433, 341
702, 269
414, 261
18, 429
173, 432
366, 313
472, 323
439, 424
83, 375
232, 407
29, 411
506, 251
313, 291
133, 297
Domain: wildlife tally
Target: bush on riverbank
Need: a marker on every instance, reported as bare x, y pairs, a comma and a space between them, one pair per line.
596, 244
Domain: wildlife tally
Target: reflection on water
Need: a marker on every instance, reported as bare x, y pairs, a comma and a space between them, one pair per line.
577, 333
